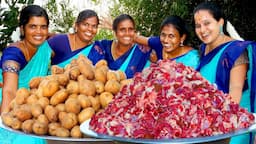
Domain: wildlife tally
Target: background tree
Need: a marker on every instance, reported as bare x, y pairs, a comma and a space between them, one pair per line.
148, 14
9, 19
61, 15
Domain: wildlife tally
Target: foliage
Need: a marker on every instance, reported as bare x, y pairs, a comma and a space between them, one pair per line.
148, 14
9, 20
61, 15
104, 34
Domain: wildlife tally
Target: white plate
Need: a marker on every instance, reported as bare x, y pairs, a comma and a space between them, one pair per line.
84, 127
93, 139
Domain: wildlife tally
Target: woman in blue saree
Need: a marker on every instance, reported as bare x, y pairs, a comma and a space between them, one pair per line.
23, 60
69, 46
172, 42
227, 62
123, 54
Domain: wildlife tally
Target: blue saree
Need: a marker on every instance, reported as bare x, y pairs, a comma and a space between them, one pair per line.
134, 60
189, 59
63, 53
216, 67
37, 66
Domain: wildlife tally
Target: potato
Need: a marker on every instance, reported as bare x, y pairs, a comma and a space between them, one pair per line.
40, 128
52, 127
36, 110
72, 105
125, 82
100, 75
84, 101
112, 86
101, 63
63, 79
56, 70
7, 118
62, 132
59, 97
84, 59
73, 87
74, 73
95, 102
105, 98
81, 78
27, 126
75, 132
69, 121
121, 75
21, 95
51, 113
99, 86
22, 114
62, 115
111, 75
87, 87
43, 101
16, 124
34, 82
60, 107
73, 96
86, 70
51, 88
42, 119
85, 114
32, 99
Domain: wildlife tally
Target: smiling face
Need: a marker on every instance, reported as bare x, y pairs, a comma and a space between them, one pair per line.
206, 27
170, 38
125, 32
87, 29
35, 31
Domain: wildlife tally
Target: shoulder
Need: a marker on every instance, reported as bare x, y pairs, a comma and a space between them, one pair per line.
58, 37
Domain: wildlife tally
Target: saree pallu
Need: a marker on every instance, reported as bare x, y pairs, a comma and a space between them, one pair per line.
216, 67
37, 66
132, 61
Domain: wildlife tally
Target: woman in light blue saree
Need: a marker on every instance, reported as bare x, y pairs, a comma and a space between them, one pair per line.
23, 60
227, 62
172, 42
69, 46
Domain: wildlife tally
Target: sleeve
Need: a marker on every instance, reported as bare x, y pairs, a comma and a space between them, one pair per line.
14, 54
155, 43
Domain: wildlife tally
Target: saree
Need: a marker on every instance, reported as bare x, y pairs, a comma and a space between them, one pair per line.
64, 55
37, 66
132, 61
216, 67
189, 59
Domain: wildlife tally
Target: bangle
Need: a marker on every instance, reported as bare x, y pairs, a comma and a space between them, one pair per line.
9, 68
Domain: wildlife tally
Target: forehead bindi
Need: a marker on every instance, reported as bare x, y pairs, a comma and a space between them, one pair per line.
202, 15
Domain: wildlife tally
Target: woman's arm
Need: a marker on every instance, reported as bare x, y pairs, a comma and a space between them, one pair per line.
10, 86
142, 40
236, 83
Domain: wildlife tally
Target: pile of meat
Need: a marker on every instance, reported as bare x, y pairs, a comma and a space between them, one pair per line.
170, 100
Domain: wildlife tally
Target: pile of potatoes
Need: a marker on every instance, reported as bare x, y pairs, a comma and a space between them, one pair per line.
57, 104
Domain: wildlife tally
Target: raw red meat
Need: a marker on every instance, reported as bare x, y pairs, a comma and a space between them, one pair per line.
170, 100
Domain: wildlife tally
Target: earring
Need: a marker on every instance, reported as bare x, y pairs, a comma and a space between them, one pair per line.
181, 43
221, 30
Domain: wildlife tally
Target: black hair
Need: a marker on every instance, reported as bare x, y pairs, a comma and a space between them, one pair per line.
85, 14
214, 10
179, 24
121, 18
31, 11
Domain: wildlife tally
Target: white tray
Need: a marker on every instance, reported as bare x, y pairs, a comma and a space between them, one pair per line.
84, 127
93, 139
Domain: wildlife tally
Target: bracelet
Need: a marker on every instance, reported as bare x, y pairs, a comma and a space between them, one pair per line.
9, 68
